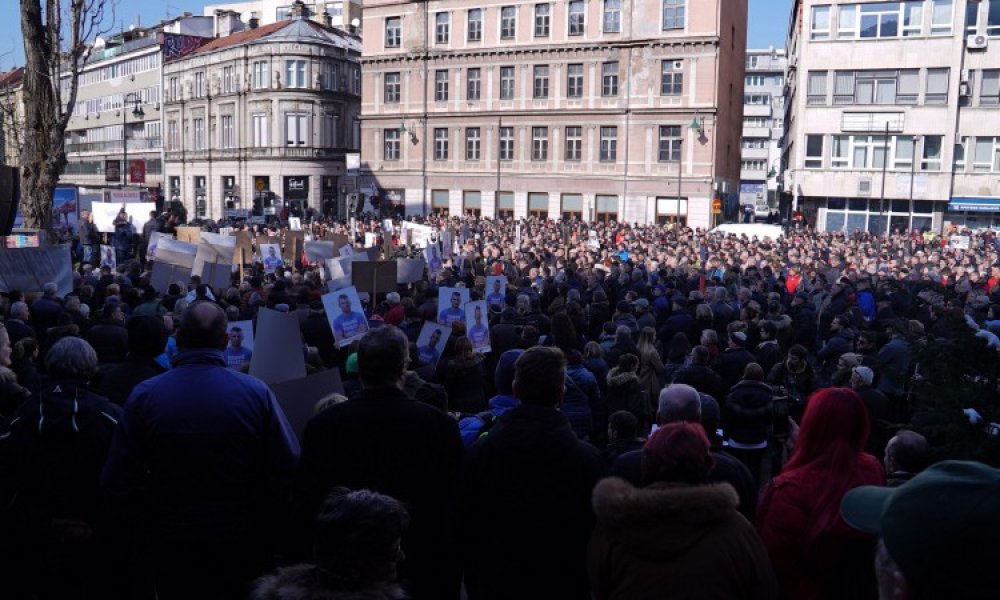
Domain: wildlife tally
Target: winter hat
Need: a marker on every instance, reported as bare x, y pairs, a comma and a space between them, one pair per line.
392, 298
504, 376
351, 367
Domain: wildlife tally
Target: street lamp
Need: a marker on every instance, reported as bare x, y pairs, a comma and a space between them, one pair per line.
138, 113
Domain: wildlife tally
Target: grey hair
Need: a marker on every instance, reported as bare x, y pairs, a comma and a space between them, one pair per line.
71, 358
50, 289
679, 402
18, 308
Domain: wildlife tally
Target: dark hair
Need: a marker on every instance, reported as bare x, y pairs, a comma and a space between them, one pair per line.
356, 531
678, 452
628, 362
463, 347
753, 372
563, 331
146, 336
540, 376
382, 356
699, 355
25, 347
624, 424
203, 325
679, 347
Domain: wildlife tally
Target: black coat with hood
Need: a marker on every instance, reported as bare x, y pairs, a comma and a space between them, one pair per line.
624, 392
747, 413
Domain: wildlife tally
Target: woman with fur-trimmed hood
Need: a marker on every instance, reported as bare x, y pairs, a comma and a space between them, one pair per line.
678, 537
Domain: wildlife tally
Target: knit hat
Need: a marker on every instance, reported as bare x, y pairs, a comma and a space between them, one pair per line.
351, 367
392, 298
504, 376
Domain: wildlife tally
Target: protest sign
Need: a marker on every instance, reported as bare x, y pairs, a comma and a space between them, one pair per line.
214, 249
346, 315
105, 213
450, 303
374, 277
244, 247
108, 257
164, 274
339, 272
295, 223
496, 290
279, 356
29, 269
959, 242
431, 343
154, 242
294, 245
191, 235
370, 239
346, 250
409, 270
271, 257
432, 255
320, 251
298, 397
246, 327
217, 275
364, 254
419, 235
477, 326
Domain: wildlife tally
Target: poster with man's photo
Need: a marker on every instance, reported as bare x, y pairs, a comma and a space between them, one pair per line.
346, 315
496, 290
450, 304
477, 326
270, 255
108, 257
431, 343
239, 351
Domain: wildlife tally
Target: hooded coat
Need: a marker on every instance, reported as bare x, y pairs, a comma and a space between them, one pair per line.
306, 582
675, 538
625, 392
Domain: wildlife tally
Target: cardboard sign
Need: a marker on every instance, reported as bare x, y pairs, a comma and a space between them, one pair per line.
105, 213
244, 247
214, 249
339, 239
374, 277
431, 343
29, 269
154, 242
109, 257
346, 315
409, 270
364, 254
191, 235
320, 251
477, 325
279, 354
294, 245
419, 235
218, 276
339, 272
176, 252
298, 397
164, 274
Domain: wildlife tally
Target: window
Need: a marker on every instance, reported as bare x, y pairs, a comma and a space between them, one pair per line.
574, 143
173, 136
671, 78
393, 31
972, 17
542, 15
875, 87
847, 22
226, 139
840, 152
472, 203
228, 80
752, 80
670, 143
442, 28
942, 14
937, 86
989, 91
609, 144
475, 25
472, 143
757, 99
754, 122
260, 78
819, 28
609, 79
576, 17
814, 152
199, 84
987, 155
472, 83
908, 86
816, 88
913, 18
328, 131
879, 20
903, 157
539, 143
198, 131
392, 87
259, 122
295, 73
753, 165
612, 16
391, 146
993, 19
330, 75
173, 86
574, 81
932, 153
508, 22
673, 14
541, 87
441, 85
506, 83
440, 143
506, 143
296, 129
958, 157
753, 143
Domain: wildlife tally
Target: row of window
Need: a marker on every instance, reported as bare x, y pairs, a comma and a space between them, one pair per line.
297, 132
759, 80
571, 205
669, 143
889, 86
295, 75
881, 20
671, 82
334, 9
898, 153
149, 95
672, 17
124, 68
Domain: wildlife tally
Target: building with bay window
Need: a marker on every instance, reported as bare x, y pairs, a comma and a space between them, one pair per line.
763, 126
262, 119
581, 109
893, 117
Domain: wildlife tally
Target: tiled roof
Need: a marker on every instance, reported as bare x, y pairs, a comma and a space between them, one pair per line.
242, 37
12, 77
290, 29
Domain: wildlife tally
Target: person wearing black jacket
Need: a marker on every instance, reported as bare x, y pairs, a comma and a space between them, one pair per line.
699, 375
146, 338
733, 360
747, 418
109, 337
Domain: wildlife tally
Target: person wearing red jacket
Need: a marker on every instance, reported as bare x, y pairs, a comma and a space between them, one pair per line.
815, 554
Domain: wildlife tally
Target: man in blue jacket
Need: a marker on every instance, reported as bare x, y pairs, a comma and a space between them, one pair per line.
203, 460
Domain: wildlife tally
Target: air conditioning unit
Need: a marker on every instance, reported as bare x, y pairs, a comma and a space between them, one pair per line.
865, 187
964, 89
976, 42
678, 65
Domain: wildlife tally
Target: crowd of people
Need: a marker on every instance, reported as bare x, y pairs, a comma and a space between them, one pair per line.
662, 412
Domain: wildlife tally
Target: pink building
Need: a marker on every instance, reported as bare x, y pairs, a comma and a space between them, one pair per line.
595, 109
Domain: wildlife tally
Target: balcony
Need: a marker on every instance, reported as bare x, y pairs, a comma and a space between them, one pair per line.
110, 146
757, 110
754, 153
756, 132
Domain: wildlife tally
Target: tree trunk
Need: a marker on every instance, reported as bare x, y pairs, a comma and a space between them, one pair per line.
43, 156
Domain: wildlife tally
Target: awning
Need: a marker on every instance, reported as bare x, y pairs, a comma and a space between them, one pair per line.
974, 204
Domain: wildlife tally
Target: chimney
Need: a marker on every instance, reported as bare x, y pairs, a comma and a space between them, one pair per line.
298, 9
327, 19
254, 21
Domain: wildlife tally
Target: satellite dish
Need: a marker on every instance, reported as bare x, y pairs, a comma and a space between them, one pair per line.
131, 27
355, 22
246, 16
99, 42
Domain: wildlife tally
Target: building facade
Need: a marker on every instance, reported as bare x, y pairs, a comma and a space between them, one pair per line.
565, 109
262, 119
894, 114
341, 13
763, 126
11, 116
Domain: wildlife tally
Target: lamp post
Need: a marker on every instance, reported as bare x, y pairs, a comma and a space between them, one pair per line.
138, 113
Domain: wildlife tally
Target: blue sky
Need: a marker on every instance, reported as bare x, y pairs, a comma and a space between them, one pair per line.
768, 20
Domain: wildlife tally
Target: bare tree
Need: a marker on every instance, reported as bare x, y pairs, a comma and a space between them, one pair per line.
54, 55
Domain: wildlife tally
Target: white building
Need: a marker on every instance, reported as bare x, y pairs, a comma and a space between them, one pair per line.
763, 126
894, 113
262, 119
341, 12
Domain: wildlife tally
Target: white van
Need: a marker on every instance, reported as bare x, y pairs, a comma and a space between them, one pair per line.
758, 230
